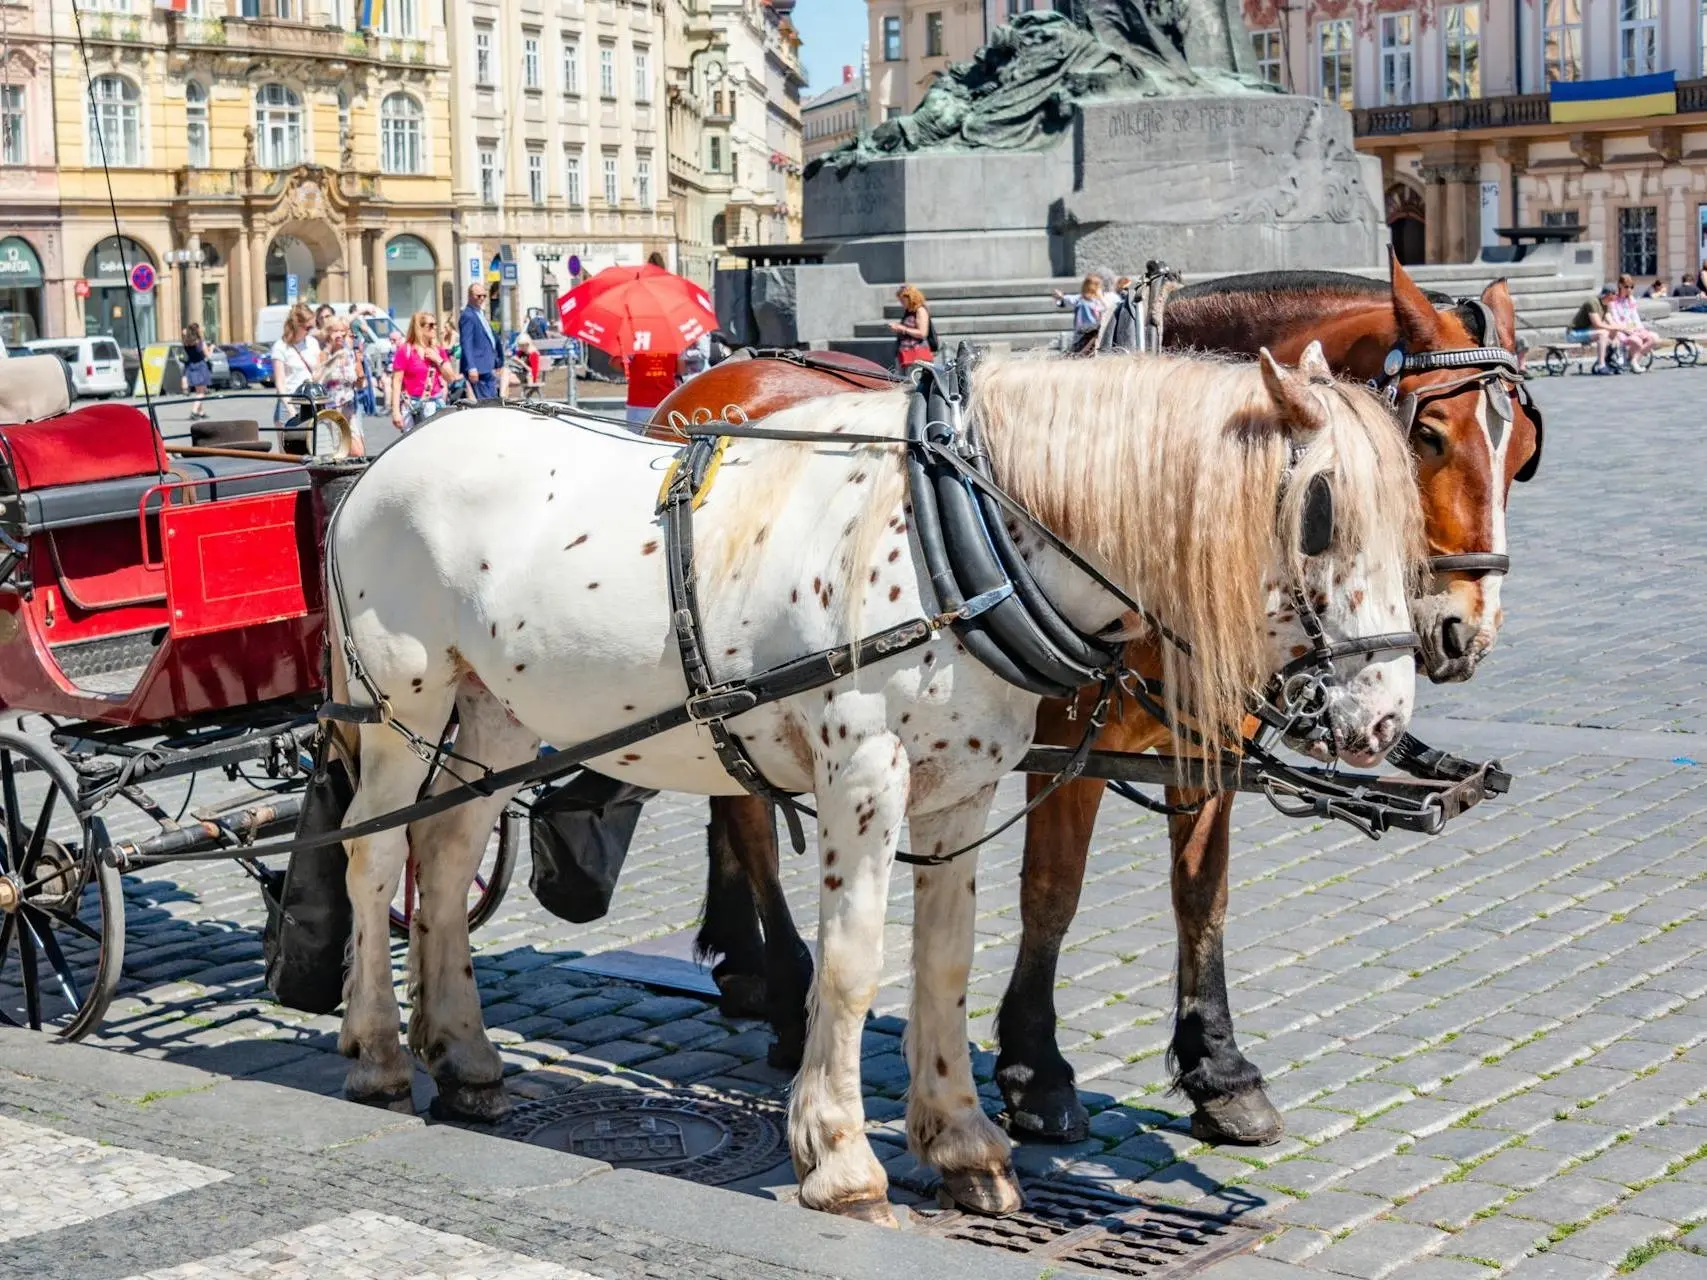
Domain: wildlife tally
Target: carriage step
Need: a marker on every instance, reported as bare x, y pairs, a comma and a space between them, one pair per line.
109, 666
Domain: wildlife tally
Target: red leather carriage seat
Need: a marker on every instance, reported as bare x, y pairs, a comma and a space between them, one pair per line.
100, 442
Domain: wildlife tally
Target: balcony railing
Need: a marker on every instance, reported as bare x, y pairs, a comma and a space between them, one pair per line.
122, 28
1484, 113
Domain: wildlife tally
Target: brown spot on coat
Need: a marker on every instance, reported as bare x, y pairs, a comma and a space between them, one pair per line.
570, 546
484, 566
1299, 650
895, 593
630, 756
794, 596
649, 547
829, 857
941, 744
976, 744
841, 731
895, 555
824, 733
521, 666
832, 883
592, 586
941, 1065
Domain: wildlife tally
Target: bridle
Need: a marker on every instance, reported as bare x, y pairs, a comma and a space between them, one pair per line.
1495, 372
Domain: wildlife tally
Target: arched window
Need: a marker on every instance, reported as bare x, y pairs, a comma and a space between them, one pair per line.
278, 127
114, 127
717, 225
400, 134
195, 123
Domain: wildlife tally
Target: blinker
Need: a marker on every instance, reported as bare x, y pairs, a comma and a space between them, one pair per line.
1499, 400
1316, 522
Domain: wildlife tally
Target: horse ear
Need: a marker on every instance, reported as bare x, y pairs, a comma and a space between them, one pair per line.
1313, 364
1413, 313
1292, 396
1497, 298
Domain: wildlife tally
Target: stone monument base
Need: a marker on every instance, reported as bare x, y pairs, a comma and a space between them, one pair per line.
1211, 185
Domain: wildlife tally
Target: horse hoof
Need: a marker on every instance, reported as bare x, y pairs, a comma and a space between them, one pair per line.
402, 1102
993, 1194
876, 1211
1247, 1118
471, 1103
1049, 1116
787, 1050
741, 995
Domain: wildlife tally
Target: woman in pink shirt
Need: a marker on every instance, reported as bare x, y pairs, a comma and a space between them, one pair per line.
421, 372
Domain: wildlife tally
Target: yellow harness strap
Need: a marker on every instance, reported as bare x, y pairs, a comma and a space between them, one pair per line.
704, 490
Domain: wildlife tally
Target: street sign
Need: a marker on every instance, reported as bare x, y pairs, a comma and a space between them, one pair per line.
81, 288
510, 274
574, 264
474, 274
142, 277
291, 286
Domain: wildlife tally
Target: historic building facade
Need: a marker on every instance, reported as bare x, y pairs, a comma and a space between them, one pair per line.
835, 115
1453, 99
560, 144
280, 151
32, 273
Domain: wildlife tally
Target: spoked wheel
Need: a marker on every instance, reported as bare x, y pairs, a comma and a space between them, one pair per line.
1685, 353
1641, 363
1556, 362
491, 880
61, 901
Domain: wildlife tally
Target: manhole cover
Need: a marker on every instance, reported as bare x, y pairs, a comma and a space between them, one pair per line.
683, 1133
1095, 1230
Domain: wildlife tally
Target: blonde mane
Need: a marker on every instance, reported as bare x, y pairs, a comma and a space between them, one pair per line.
1169, 471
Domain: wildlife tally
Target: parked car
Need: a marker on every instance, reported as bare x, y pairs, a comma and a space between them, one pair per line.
247, 365
97, 366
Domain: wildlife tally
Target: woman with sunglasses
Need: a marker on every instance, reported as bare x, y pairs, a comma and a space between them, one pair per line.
421, 371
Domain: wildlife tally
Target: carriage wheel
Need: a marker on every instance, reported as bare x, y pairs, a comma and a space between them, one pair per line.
1685, 353
61, 901
491, 881
1556, 362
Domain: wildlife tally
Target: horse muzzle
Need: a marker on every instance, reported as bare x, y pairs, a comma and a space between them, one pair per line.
1456, 628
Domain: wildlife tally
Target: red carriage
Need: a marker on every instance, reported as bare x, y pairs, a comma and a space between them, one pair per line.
161, 613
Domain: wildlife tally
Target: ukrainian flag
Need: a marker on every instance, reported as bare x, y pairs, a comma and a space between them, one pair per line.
1574, 100
372, 12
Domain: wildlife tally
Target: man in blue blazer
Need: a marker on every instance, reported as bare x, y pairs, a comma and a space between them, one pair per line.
480, 355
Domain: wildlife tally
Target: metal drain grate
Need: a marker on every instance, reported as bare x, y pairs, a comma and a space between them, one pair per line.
694, 1133
1097, 1231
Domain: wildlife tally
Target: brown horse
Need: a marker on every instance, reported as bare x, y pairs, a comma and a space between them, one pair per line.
1466, 464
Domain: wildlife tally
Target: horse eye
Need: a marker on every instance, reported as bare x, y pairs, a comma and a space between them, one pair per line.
1429, 439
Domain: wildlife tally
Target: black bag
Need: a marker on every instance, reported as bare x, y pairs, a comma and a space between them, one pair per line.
308, 914
581, 832
931, 340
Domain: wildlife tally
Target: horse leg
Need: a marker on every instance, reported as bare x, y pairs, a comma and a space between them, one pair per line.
729, 926
1036, 1081
391, 776
946, 1127
446, 1030
859, 823
1225, 1087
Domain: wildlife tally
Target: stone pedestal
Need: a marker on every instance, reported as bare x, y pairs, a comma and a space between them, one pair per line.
1211, 185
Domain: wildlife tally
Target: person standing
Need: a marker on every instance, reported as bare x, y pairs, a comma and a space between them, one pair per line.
198, 370
421, 374
913, 330
297, 361
344, 374
480, 358
1088, 311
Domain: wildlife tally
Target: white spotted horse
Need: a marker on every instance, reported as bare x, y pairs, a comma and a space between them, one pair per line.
531, 586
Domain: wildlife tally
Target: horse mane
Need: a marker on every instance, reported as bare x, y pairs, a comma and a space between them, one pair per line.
1169, 471
1286, 282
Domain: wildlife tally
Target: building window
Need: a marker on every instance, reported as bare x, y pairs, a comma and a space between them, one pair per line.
278, 127
1638, 241
400, 134
343, 123
719, 226
488, 174
1017, 7
1638, 37
1396, 44
933, 35
1559, 218
114, 121
483, 55
195, 123
1266, 48
11, 124
715, 147
643, 180
642, 76
397, 19
536, 176
1333, 60
611, 190
530, 61
1461, 38
607, 71
572, 177
892, 39
571, 64
1562, 39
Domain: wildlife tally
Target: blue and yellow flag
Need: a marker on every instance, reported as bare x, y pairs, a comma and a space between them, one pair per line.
372, 13
1627, 96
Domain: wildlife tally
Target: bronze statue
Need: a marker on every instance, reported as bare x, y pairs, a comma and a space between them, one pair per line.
1024, 87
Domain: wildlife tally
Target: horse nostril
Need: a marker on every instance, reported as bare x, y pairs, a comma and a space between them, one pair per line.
1455, 638
1385, 733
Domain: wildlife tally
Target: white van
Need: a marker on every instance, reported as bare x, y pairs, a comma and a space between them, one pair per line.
97, 367
376, 329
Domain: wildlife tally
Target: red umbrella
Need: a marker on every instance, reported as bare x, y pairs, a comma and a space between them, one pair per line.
626, 310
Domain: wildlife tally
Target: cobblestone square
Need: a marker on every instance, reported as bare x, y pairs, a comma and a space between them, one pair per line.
1488, 1044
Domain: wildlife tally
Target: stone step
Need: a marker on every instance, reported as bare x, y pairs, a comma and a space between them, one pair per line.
940, 307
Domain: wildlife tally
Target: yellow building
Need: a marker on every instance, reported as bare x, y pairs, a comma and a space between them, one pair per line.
293, 155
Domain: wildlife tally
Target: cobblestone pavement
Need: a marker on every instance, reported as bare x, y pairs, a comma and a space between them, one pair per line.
1488, 1045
